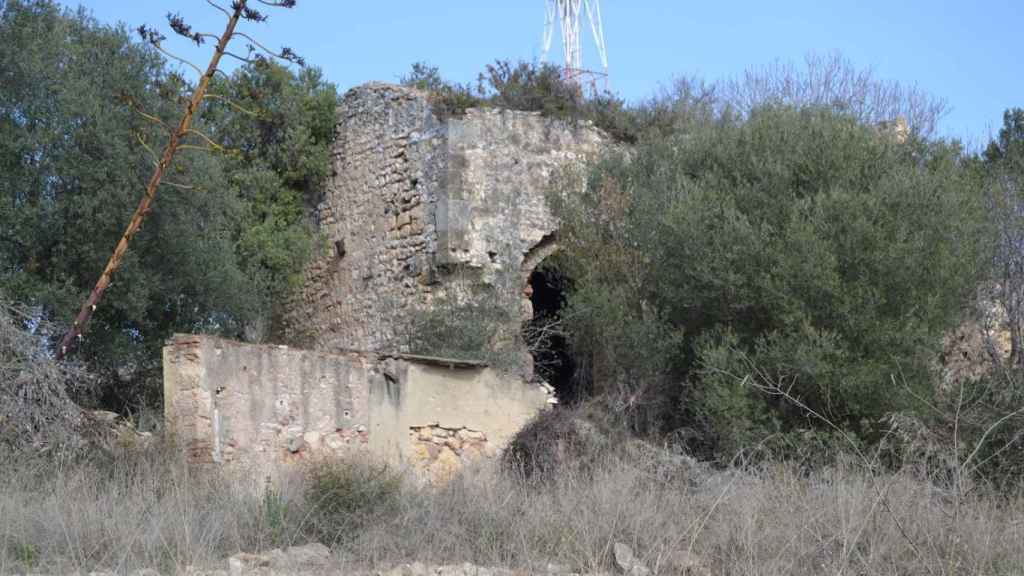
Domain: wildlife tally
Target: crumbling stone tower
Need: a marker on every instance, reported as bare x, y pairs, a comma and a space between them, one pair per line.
418, 210
420, 206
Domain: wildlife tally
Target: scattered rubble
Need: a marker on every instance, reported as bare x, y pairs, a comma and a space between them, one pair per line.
627, 562
310, 558
315, 559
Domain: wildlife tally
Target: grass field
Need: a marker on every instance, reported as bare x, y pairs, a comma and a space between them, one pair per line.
129, 509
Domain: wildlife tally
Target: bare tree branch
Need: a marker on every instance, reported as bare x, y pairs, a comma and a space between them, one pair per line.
145, 146
833, 81
232, 104
155, 120
178, 58
286, 53
219, 7
177, 185
75, 332
209, 141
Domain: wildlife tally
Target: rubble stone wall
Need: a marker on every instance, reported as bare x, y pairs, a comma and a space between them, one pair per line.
418, 208
488, 407
377, 219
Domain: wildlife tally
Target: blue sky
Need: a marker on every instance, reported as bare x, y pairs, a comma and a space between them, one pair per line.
968, 52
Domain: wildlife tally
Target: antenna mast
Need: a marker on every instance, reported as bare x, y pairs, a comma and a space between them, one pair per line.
568, 13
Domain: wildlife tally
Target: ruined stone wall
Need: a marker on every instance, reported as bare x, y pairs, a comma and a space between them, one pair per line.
418, 208
257, 405
263, 406
469, 410
377, 219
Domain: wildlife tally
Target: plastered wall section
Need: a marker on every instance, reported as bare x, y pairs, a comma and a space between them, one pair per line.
438, 418
257, 405
262, 406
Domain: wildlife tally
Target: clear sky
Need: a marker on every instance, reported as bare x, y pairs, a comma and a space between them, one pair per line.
968, 52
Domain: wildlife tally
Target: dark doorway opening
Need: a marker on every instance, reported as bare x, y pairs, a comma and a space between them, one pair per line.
545, 334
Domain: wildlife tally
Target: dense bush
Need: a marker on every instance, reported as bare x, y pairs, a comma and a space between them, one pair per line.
561, 442
447, 98
526, 86
792, 254
461, 330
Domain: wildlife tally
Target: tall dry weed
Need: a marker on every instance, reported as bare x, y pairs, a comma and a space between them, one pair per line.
148, 509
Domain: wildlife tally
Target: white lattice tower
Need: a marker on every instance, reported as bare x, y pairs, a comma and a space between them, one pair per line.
569, 14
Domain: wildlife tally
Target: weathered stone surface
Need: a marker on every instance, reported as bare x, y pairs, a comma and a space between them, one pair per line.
309, 558
245, 563
440, 451
256, 405
260, 406
313, 555
426, 208
627, 562
417, 209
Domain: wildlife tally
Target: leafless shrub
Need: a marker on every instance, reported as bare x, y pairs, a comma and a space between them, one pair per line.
833, 81
36, 410
555, 442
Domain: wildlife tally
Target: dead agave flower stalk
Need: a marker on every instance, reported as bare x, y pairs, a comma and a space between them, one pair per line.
239, 10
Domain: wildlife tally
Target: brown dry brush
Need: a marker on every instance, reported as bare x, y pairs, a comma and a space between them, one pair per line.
150, 510
36, 407
178, 137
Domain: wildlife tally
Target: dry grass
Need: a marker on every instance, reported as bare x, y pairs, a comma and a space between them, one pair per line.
122, 510
147, 509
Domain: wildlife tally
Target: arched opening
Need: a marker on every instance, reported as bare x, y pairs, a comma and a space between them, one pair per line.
545, 335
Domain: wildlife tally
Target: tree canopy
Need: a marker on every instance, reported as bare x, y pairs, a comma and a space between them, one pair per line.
796, 249
227, 235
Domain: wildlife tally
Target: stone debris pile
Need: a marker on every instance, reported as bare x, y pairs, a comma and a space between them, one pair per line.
315, 560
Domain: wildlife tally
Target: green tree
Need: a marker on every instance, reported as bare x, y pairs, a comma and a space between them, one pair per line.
75, 157
74, 165
280, 125
1004, 160
796, 247
1009, 145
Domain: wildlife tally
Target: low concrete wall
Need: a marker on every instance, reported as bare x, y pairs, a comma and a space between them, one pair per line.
261, 406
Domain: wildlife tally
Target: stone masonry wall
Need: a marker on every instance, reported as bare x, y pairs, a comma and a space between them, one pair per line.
377, 217
260, 406
418, 208
441, 451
